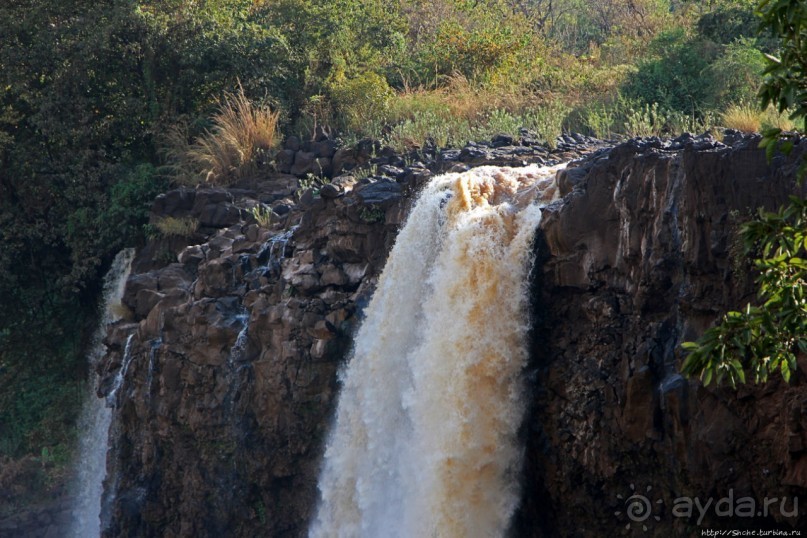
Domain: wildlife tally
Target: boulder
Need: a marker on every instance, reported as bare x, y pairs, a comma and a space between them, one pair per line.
383, 192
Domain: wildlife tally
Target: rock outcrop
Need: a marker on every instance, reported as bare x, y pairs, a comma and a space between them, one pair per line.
641, 255
233, 372
240, 330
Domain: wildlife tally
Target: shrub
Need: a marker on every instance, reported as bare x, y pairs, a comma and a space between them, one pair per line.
646, 120
599, 119
548, 120
631, 117
361, 102
726, 24
428, 125
483, 41
676, 75
500, 121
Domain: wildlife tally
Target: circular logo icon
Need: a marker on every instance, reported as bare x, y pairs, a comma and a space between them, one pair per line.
638, 507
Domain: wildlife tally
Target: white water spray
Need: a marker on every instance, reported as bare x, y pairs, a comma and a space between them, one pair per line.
96, 416
424, 442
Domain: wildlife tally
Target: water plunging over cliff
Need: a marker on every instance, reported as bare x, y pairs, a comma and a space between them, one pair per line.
424, 441
96, 416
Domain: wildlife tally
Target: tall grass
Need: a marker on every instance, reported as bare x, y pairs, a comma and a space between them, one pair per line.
242, 135
745, 118
750, 119
624, 117
175, 226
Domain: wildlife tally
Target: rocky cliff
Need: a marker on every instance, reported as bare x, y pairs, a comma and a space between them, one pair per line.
227, 362
641, 255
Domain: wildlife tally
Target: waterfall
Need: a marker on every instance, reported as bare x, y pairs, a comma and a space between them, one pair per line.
424, 441
95, 418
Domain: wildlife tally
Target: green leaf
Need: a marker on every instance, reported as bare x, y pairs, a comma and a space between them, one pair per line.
785, 369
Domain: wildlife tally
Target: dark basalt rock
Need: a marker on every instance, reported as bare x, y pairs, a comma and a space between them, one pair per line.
635, 259
383, 192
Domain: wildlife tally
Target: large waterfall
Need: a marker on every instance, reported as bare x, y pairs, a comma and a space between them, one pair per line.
96, 416
424, 441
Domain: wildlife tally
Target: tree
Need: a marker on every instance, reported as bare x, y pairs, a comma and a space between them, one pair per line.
766, 338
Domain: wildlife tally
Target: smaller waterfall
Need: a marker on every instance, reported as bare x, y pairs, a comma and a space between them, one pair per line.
275, 249
240, 345
96, 416
112, 397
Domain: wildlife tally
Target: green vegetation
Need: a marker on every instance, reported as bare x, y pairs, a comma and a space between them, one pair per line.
768, 337
371, 215
104, 105
262, 215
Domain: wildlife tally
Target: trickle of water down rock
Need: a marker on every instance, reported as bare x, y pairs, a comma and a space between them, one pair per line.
425, 435
96, 416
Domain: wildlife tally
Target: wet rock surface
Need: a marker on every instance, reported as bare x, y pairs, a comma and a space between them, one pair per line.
240, 331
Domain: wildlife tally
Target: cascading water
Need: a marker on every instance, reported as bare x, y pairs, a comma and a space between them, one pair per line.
424, 441
275, 248
112, 397
96, 416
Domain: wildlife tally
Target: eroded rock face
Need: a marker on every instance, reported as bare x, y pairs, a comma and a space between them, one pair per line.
233, 377
239, 337
638, 257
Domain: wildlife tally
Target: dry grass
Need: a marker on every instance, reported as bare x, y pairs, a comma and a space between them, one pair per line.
173, 226
457, 99
780, 120
745, 118
459, 111
749, 119
242, 134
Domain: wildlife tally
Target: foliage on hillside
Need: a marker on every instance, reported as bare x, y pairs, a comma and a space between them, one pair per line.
88, 91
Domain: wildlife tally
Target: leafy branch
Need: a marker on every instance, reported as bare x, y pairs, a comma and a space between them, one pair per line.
762, 339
